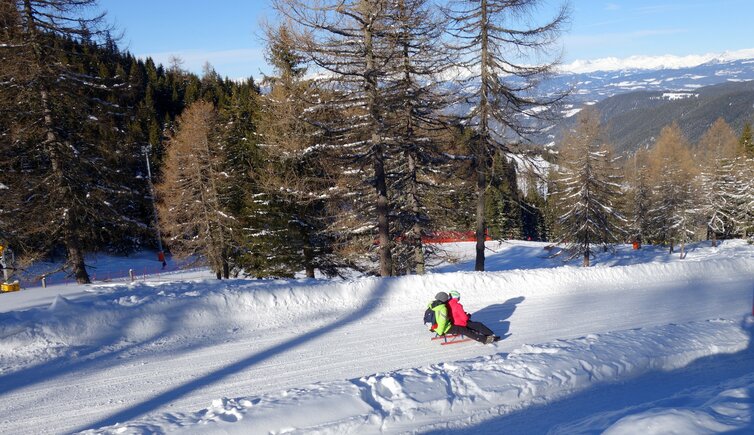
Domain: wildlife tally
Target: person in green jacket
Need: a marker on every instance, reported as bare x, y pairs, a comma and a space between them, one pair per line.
440, 307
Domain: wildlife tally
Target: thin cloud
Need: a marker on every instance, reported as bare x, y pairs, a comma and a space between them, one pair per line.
668, 7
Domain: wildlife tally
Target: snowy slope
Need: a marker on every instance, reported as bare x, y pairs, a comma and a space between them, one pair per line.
661, 341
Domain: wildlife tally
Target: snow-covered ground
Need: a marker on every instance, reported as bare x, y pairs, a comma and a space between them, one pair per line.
642, 342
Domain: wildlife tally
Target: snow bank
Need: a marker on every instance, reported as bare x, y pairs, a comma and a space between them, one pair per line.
473, 390
313, 355
116, 314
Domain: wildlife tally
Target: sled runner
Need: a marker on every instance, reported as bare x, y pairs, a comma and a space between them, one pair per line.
451, 339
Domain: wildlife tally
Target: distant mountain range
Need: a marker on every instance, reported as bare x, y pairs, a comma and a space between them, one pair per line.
634, 104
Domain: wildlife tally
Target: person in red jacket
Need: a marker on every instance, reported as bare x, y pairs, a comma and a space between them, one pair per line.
462, 323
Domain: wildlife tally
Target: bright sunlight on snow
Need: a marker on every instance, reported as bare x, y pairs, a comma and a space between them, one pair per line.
642, 342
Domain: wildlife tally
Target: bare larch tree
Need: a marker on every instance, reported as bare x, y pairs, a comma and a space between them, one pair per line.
192, 216
501, 45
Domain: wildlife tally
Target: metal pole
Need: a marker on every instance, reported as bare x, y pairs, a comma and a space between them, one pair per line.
7, 261
160, 254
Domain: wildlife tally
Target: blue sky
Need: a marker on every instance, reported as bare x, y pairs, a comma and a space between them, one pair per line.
227, 34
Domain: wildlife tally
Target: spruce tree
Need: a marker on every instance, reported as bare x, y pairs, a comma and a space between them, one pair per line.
639, 198
73, 187
743, 196
288, 218
503, 204
746, 141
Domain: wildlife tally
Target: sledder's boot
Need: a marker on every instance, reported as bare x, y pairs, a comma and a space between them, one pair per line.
489, 339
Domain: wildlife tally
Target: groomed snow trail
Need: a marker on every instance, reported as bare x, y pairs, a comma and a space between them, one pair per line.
124, 352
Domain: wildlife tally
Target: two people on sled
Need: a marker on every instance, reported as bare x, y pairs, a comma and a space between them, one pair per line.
451, 318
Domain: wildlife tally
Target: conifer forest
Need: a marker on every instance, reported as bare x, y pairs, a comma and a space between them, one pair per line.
370, 139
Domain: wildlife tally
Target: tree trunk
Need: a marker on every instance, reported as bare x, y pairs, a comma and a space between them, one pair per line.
309, 267
308, 254
585, 263
481, 224
76, 260
416, 231
383, 225
481, 145
380, 179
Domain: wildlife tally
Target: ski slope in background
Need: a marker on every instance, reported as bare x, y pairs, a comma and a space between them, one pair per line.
640, 342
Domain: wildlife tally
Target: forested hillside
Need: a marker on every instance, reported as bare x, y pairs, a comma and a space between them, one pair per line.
634, 119
362, 147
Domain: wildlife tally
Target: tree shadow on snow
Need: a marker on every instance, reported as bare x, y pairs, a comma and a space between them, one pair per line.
495, 316
220, 374
594, 410
509, 258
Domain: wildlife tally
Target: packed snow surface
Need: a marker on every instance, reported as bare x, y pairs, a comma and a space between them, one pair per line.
642, 342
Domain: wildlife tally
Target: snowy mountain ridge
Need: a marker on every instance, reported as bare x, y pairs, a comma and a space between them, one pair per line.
594, 86
654, 62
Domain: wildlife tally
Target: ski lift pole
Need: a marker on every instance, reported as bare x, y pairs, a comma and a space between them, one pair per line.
7, 262
160, 252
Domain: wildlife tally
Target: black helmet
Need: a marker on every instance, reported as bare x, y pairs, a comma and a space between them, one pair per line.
442, 297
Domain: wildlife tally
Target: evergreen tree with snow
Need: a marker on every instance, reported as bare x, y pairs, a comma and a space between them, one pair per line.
746, 141
744, 196
75, 192
587, 188
639, 197
503, 202
287, 220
